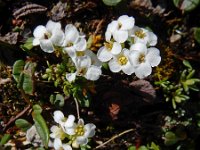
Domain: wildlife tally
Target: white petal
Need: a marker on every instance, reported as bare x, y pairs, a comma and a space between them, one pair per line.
93, 73
51, 25
139, 47
112, 27
108, 36
143, 70
70, 131
71, 76
127, 22
54, 128
81, 121
84, 62
70, 121
116, 49
57, 144
58, 116
36, 42
81, 140
120, 36
71, 52
71, 34
128, 69
89, 130
39, 32
95, 60
81, 44
67, 147
134, 58
47, 46
103, 54
57, 37
114, 65
153, 56
152, 39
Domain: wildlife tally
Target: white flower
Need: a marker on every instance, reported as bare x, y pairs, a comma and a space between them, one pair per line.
69, 125
59, 117
73, 40
57, 132
83, 132
48, 36
58, 145
85, 68
143, 35
106, 52
122, 62
66, 123
119, 28
143, 59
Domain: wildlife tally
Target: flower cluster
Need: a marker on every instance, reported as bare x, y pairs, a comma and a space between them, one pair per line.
73, 43
128, 48
68, 134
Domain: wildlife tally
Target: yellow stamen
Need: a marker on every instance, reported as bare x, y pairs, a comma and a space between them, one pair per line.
80, 53
139, 33
108, 46
119, 25
122, 60
47, 35
70, 44
141, 58
79, 130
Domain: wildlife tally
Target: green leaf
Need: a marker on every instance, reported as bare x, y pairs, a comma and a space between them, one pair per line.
197, 34
186, 5
5, 139
37, 108
41, 128
28, 82
18, 67
23, 124
132, 148
143, 148
57, 100
170, 138
28, 45
154, 146
187, 64
111, 2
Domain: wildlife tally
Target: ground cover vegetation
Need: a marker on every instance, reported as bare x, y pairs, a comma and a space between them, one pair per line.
101, 74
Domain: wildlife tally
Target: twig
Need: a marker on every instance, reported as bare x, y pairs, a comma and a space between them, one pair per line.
114, 137
77, 108
28, 9
12, 119
98, 26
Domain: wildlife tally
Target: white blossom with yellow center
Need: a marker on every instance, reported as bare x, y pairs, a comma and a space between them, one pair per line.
82, 133
86, 66
48, 36
57, 132
121, 62
107, 52
143, 36
118, 29
143, 59
73, 41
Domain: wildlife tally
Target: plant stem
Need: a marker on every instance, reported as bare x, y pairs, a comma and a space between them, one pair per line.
77, 107
114, 137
